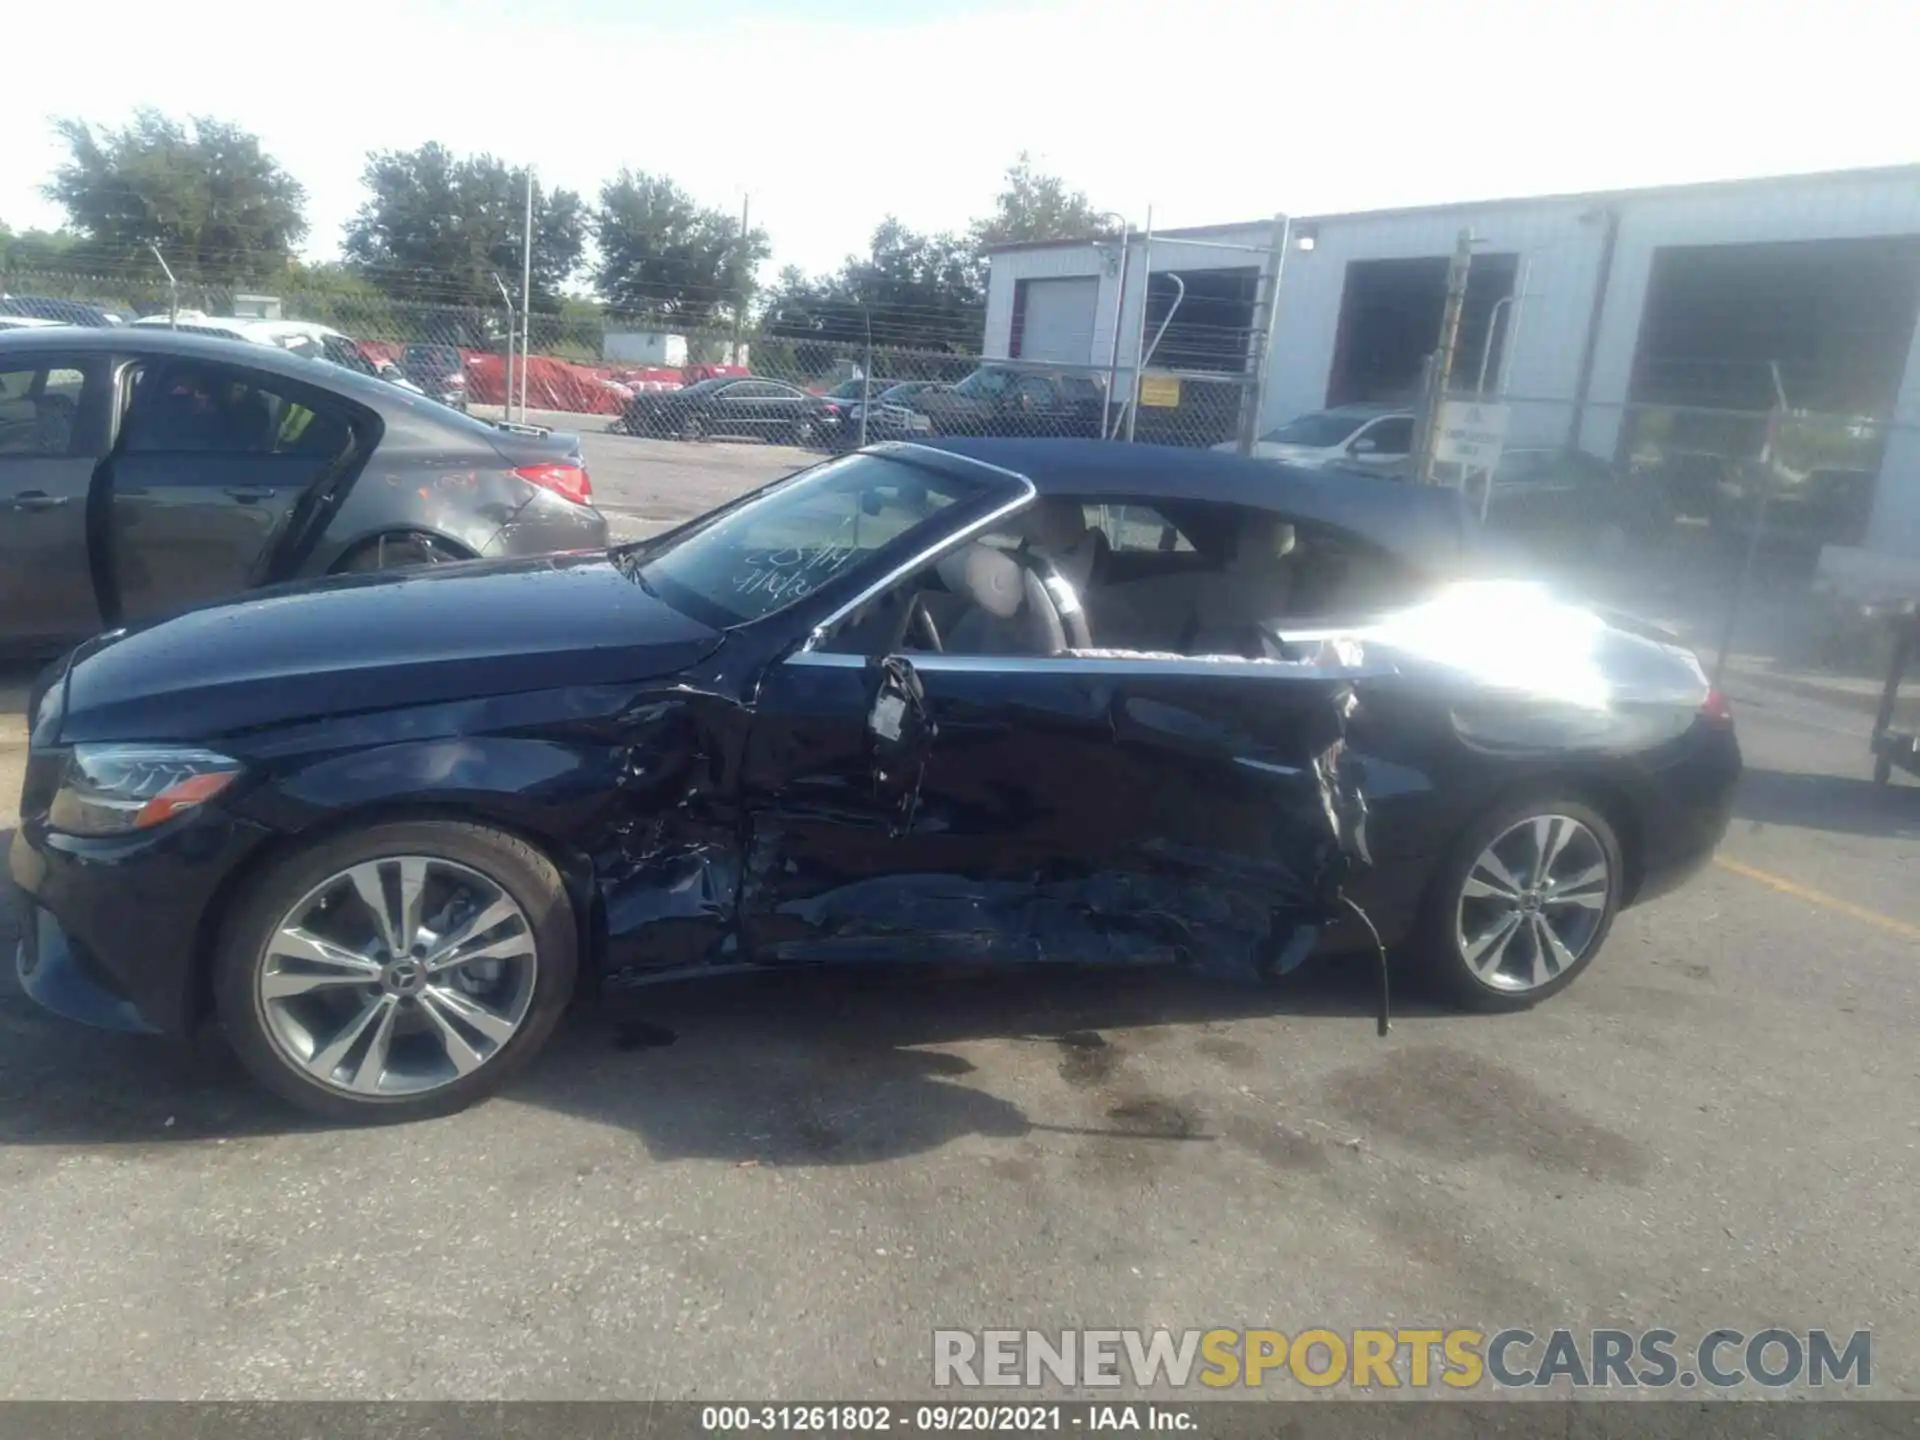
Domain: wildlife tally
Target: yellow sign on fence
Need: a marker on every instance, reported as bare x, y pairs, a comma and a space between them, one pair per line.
1162, 390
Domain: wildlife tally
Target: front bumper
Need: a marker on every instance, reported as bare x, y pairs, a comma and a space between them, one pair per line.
114, 929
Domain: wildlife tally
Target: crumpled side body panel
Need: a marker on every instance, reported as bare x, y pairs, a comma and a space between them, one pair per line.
1059, 814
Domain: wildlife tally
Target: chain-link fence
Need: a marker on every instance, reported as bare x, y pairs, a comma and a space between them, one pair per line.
647, 376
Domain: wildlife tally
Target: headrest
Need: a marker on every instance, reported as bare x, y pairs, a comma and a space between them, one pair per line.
1263, 539
991, 578
1054, 524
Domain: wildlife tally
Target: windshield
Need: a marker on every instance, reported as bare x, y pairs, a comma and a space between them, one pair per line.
789, 541
1318, 430
984, 384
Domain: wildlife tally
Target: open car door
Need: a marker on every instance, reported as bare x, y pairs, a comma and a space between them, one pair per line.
206, 479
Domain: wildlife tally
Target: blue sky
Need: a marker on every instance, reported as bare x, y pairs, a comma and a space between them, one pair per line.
1208, 110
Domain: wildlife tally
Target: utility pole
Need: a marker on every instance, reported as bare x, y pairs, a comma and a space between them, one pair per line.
1113, 341
866, 374
507, 296
1266, 315
1767, 468
526, 299
1140, 334
740, 309
1457, 270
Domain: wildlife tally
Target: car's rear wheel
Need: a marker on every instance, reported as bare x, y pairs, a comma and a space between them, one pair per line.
1522, 904
399, 551
400, 972
694, 427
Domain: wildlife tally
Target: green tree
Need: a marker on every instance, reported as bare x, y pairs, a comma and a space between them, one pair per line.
662, 253
36, 249
1036, 206
217, 205
438, 227
918, 292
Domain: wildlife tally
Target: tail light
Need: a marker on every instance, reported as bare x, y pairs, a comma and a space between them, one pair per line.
570, 482
1716, 709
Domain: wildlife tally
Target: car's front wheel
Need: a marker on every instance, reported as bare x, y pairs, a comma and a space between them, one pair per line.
1522, 903
399, 972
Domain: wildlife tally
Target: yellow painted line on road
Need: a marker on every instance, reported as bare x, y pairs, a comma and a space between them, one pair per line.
1821, 898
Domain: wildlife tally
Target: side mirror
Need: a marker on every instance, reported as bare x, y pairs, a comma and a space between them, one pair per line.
1362, 446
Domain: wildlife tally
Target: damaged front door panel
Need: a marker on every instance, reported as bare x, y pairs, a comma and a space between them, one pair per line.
1054, 810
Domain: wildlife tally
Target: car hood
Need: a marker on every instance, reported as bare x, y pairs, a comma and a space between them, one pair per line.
375, 642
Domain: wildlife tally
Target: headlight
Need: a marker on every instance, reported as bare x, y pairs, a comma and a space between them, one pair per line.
115, 789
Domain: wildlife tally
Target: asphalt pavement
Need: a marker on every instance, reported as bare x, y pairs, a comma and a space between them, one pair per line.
779, 1187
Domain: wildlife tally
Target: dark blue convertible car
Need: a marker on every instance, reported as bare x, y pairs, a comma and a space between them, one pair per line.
977, 701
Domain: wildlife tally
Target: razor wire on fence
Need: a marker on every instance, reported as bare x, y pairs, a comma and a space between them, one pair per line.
587, 359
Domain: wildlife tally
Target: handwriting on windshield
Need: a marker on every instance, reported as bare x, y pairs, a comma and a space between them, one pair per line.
793, 573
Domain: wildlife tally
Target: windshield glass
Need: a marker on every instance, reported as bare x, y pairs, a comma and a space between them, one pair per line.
984, 384
789, 541
1319, 430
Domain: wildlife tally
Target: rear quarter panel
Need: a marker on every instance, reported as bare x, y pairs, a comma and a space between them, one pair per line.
438, 477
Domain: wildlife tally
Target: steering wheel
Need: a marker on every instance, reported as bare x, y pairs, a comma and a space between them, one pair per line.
1061, 606
919, 616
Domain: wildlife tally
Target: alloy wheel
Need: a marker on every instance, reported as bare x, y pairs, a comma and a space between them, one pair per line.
397, 976
1533, 903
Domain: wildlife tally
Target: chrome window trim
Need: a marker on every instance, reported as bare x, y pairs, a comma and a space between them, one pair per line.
934, 664
908, 566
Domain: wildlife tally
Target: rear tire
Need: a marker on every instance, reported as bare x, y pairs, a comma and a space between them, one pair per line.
255, 987
693, 429
1482, 951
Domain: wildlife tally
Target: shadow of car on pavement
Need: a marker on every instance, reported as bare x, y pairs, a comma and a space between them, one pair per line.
807, 1067
1833, 803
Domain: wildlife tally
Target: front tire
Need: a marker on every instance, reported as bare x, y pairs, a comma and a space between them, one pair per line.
1522, 904
399, 972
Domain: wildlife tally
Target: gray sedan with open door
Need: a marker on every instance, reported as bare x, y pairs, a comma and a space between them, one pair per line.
143, 471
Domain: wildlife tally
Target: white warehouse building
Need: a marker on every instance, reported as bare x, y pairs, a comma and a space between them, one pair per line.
1624, 323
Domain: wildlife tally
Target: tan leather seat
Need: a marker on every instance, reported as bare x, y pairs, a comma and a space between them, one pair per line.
1252, 590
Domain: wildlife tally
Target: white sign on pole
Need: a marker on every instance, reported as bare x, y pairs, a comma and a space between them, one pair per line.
1471, 434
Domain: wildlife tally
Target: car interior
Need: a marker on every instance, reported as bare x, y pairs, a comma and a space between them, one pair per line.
37, 411
183, 408
1072, 577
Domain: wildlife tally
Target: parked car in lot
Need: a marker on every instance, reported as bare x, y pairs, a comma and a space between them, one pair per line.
1371, 437
306, 338
836, 423
1692, 481
896, 412
439, 370
1805, 509
143, 470
923, 703
726, 405
1010, 400
1555, 503
59, 311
